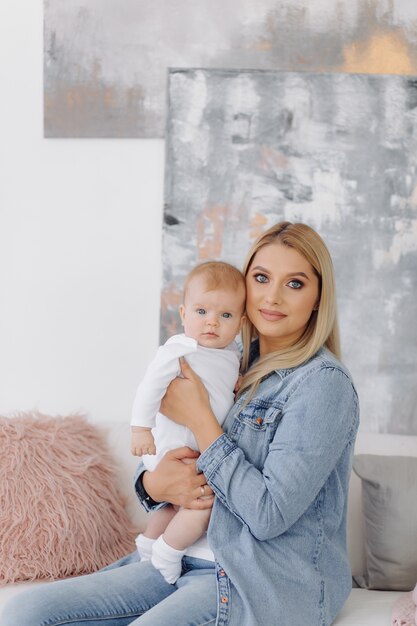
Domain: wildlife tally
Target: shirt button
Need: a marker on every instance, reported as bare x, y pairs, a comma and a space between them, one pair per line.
225, 600
259, 420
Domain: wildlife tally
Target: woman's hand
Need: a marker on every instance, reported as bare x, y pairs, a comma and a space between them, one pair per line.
187, 402
175, 480
185, 397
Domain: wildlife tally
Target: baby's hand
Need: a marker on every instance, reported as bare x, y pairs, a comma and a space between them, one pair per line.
142, 441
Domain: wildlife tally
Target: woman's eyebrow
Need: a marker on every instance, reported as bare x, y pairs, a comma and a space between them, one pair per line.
298, 274
259, 268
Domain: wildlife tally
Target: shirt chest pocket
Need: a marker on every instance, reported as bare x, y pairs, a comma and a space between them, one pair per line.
261, 420
253, 429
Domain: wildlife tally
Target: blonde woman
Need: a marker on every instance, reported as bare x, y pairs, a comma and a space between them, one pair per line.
277, 472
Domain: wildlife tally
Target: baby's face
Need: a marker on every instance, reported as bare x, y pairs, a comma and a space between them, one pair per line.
213, 318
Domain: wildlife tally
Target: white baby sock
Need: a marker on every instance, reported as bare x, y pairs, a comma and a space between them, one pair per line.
167, 560
144, 546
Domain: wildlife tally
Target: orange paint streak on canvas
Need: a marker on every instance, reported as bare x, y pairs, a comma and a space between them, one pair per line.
262, 45
257, 225
210, 226
269, 157
383, 53
72, 98
171, 298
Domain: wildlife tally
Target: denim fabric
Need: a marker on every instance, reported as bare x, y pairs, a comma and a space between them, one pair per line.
125, 593
280, 474
278, 526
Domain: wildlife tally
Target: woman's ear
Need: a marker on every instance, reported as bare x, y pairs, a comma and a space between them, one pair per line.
316, 306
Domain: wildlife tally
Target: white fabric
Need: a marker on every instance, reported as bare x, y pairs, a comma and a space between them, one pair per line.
368, 608
144, 546
167, 560
218, 369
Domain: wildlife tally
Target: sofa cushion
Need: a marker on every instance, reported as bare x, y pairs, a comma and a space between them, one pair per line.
389, 503
60, 510
368, 608
370, 443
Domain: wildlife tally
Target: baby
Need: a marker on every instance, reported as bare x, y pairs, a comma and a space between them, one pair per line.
212, 314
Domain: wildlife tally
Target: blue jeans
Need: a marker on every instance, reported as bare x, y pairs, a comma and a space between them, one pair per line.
126, 592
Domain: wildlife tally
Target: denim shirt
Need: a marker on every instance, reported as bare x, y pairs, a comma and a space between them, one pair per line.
280, 473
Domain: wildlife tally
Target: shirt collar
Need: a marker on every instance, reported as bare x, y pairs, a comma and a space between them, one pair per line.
282, 372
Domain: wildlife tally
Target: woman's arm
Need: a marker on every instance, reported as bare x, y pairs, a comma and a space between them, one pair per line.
316, 427
177, 480
187, 402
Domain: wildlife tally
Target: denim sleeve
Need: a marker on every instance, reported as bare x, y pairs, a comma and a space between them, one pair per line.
144, 498
319, 420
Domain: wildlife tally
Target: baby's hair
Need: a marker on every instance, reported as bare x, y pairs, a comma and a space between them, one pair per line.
217, 275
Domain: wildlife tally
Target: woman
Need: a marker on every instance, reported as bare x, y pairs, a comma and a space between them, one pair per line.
279, 470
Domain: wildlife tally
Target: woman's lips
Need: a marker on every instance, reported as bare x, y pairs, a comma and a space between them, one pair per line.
271, 316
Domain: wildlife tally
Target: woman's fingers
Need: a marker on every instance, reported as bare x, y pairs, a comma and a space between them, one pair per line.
186, 369
176, 480
200, 504
204, 491
184, 454
184, 397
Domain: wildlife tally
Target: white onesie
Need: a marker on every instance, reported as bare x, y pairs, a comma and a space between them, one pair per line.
218, 368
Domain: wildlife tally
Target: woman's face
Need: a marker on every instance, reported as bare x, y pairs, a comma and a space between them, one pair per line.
282, 292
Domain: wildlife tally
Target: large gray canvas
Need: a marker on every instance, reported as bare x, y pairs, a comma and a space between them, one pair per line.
105, 60
338, 151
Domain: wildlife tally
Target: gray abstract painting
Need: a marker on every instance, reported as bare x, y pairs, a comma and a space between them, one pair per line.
105, 61
246, 149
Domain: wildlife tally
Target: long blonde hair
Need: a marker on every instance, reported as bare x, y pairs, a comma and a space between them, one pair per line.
322, 328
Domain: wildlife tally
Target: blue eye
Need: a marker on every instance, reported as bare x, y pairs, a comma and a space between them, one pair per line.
261, 278
295, 284
227, 315
201, 311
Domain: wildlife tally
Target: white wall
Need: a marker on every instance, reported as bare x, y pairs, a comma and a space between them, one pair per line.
80, 231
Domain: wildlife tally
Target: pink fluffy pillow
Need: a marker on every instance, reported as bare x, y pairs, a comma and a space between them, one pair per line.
404, 611
60, 511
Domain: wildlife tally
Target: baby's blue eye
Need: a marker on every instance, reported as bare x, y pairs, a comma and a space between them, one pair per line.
201, 311
295, 284
261, 278
226, 315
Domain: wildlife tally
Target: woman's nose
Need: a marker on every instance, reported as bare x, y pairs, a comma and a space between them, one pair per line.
273, 295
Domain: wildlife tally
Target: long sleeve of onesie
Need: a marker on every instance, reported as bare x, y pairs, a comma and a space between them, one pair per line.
163, 368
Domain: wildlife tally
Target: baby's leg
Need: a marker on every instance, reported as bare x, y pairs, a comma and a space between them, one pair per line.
159, 520
183, 530
156, 524
186, 527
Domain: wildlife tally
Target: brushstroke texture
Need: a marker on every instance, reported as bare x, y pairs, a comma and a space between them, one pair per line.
338, 151
105, 61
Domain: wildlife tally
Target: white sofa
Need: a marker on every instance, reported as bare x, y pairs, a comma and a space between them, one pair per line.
363, 608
